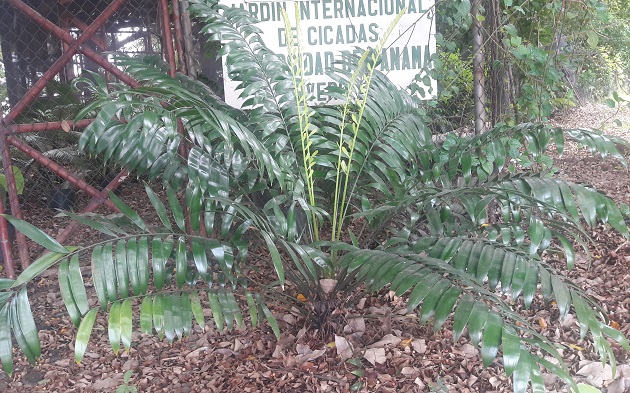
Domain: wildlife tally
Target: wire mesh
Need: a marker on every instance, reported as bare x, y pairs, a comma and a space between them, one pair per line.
45, 46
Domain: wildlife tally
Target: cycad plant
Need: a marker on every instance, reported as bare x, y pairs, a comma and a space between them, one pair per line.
454, 226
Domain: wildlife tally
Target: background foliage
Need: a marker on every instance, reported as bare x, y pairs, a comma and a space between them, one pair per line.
547, 55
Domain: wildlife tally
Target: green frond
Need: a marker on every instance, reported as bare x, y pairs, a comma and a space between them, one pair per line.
265, 78
479, 156
436, 286
154, 119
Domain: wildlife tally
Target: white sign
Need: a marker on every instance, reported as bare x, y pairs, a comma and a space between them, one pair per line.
331, 29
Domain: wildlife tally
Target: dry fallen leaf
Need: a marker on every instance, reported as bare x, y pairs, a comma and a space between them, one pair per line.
375, 356
327, 284
419, 345
621, 385
542, 323
388, 339
344, 349
595, 370
407, 342
305, 353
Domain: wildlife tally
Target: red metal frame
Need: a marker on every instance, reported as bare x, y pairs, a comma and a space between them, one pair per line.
71, 47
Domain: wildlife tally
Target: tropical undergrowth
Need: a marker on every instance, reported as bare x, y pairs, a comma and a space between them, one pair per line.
348, 197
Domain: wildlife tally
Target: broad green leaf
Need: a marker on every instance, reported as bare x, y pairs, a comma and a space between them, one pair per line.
77, 286
181, 262
584, 388
91, 223
83, 334
159, 207
521, 268
521, 375
275, 257
63, 275
109, 271
128, 212
584, 313
132, 266
445, 306
187, 313
485, 261
126, 323
169, 323
98, 276
569, 252
6, 283
177, 314
507, 271
200, 258
421, 290
431, 300
462, 316
592, 39
158, 315
272, 320
217, 313
38, 236
562, 295
114, 327
142, 261
160, 252
26, 324
146, 315
176, 209
491, 338
197, 310
477, 321
536, 232
511, 347
40, 265
530, 285
538, 383
253, 309
122, 271
6, 345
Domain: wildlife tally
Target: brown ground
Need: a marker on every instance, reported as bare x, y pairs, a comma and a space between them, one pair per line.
397, 355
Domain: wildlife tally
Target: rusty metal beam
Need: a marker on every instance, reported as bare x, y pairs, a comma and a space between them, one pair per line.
169, 52
60, 63
179, 37
79, 24
59, 170
94, 204
49, 126
5, 244
12, 194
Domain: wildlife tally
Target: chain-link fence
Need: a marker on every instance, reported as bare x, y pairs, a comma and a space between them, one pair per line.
45, 46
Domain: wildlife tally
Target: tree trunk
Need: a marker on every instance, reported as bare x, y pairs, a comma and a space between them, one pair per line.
479, 78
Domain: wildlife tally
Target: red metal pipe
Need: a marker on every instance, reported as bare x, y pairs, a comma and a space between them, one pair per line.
14, 203
79, 24
60, 63
59, 170
94, 204
49, 126
5, 244
179, 37
169, 52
